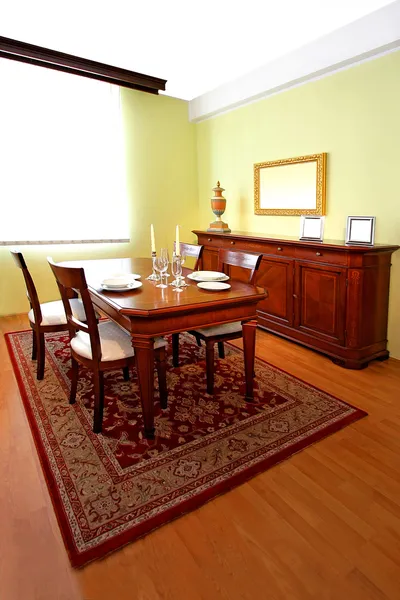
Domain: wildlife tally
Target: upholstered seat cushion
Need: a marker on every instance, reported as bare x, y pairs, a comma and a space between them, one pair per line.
53, 313
224, 329
115, 343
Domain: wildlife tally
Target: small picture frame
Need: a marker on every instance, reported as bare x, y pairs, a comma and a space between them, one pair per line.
360, 231
312, 228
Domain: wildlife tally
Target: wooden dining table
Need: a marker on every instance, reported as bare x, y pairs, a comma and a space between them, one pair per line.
148, 312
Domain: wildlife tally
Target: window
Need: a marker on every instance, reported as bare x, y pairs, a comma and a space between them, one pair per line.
62, 159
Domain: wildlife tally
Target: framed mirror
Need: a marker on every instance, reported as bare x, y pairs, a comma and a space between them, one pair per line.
291, 186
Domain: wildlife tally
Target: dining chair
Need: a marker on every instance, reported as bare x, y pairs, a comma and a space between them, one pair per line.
100, 347
218, 334
194, 251
44, 317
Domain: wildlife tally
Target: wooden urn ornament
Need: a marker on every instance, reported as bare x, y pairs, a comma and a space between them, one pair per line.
218, 205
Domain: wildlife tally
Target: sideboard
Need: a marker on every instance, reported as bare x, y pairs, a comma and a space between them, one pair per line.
328, 296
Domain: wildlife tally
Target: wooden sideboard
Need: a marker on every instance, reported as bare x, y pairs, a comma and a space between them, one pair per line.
328, 296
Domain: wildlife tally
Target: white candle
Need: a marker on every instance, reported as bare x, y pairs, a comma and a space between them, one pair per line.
153, 242
177, 244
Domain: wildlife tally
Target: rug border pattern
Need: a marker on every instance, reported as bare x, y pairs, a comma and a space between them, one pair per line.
204, 492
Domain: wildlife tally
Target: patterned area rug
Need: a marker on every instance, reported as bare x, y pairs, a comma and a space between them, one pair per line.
109, 489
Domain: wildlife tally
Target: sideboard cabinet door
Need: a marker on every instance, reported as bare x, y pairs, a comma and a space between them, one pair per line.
320, 301
276, 277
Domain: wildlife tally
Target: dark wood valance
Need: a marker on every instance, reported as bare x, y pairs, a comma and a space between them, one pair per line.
59, 61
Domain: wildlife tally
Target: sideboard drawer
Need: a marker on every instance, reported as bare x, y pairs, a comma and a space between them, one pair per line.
279, 250
322, 255
219, 243
228, 243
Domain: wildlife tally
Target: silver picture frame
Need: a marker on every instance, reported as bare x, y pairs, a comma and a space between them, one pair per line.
312, 228
360, 231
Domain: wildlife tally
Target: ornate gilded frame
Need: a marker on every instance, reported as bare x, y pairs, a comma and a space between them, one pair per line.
320, 188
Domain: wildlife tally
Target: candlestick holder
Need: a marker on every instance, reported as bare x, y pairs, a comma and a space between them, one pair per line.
153, 276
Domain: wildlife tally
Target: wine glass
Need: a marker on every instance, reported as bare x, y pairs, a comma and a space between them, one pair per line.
182, 277
164, 253
177, 272
161, 265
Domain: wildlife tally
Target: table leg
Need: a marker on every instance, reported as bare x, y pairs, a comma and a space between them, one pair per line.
144, 353
249, 349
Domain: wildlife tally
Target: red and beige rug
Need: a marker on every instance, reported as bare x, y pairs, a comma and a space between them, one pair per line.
109, 489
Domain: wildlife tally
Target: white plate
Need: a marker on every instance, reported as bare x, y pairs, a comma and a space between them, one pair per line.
207, 276
215, 286
119, 281
130, 286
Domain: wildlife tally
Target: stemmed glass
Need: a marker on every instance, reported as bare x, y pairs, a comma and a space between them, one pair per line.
177, 272
182, 277
164, 253
161, 265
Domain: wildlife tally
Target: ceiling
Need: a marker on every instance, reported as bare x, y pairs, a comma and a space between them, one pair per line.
195, 46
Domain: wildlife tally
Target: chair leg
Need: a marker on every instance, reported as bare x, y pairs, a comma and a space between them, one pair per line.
210, 367
161, 365
40, 348
125, 371
34, 346
198, 339
74, 380
98, 381
221, 349
175, 349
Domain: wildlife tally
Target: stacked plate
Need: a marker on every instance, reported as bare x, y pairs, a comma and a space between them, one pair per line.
210, 280
121, 283
207, 276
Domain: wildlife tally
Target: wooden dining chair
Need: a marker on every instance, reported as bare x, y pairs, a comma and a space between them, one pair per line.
218, 334
100, 346
44, 317
193, 250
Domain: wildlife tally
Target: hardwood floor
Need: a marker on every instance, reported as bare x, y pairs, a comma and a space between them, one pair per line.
324, 524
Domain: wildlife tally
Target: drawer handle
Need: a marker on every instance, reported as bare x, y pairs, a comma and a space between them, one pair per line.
209, 239
318, 253
279, 249
294, 295
232, 243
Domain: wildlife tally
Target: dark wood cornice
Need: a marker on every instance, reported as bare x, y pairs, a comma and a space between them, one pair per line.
60, 61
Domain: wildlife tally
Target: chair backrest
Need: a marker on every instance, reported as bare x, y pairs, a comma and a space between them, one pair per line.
193, 250
244, 260
30, 286
70, 280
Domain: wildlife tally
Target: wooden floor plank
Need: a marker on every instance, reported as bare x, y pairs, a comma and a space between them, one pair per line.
323, 525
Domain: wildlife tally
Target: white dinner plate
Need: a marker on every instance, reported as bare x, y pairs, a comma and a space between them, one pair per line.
207, 276
129, 286
215, 286
119, 281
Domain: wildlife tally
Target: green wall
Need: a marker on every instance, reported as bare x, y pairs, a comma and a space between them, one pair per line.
354, 116
162, 187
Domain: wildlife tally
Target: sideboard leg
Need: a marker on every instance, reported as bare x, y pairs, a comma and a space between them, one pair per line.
348, 363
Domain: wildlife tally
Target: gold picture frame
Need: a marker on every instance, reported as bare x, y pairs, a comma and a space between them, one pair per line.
302, 182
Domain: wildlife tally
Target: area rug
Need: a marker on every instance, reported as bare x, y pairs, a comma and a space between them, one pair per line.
109, 489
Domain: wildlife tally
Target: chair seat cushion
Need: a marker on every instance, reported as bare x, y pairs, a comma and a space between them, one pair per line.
224, 329
115, 343
53, 313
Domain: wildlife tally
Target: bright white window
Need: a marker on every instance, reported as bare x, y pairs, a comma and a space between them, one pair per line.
62, 159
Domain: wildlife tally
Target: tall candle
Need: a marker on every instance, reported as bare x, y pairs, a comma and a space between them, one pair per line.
153, 242
177, 244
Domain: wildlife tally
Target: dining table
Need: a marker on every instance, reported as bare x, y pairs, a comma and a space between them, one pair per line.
148, 312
